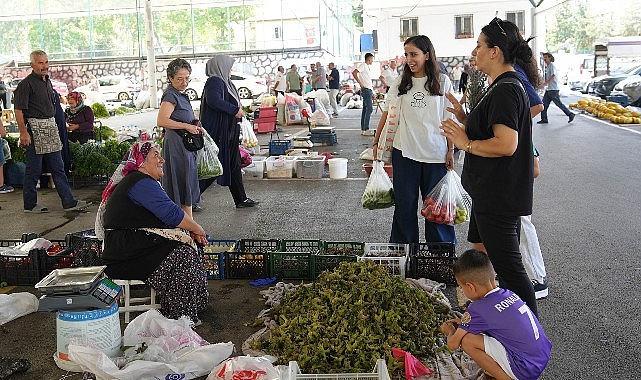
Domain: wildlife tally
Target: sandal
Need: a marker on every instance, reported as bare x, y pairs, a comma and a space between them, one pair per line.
37, 209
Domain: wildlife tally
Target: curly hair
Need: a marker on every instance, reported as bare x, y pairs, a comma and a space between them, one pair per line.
432, 70
176, 65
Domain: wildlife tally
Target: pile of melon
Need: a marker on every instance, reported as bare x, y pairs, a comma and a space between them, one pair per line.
611, 111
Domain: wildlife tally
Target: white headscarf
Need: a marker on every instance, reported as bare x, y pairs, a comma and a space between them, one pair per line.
220, 66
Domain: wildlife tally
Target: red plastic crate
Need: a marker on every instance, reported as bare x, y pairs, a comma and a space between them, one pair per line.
262, 126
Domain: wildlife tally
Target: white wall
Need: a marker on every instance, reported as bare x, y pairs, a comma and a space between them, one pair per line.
436, 21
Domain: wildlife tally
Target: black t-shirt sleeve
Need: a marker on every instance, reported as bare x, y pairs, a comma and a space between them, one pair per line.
505, 100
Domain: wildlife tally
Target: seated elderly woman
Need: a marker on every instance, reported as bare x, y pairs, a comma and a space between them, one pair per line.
79, 119
150, 238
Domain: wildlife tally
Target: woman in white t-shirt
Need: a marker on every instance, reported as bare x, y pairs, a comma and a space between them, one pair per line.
421, 155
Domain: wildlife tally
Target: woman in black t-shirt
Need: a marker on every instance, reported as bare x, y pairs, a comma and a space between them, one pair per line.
498, 168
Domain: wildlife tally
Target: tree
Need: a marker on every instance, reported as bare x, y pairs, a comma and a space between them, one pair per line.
357, 13
574, 28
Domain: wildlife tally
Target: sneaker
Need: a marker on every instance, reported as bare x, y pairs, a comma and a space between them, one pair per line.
196, 208
571, 117
335, 114
79, 206
542, 122
368, 132
37, 209
6, 189
247, 203
540, 289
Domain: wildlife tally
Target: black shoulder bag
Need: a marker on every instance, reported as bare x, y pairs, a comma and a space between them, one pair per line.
191, 141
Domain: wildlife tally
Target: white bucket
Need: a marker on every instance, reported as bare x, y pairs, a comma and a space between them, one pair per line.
99, 328
337, 168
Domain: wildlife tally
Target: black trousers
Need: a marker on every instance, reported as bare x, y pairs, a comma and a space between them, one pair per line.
500, 235
236, 186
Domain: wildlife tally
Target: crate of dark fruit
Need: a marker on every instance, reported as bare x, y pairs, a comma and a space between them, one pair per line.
16, 267
291, 265
61, 255
434, 261
252, 260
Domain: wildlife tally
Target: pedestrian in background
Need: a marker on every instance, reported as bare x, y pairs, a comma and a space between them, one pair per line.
79, 119
456, 74
4, 188
294, 81
220, 113
280, 84
35, 115
389, 75
334, 87
552, 91
421, 156
320, 78
363, 76
180, 179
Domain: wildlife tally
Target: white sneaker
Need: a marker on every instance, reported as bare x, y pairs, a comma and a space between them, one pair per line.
368, 132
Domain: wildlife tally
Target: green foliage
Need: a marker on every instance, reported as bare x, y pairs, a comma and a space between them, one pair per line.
352, 316
475, 87
123, 110
357, 13
105, 132
99, 110
17, 153
91, 159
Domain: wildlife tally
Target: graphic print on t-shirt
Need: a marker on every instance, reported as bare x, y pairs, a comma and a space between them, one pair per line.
418, 100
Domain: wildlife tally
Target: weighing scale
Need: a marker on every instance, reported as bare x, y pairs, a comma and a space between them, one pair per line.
84, 288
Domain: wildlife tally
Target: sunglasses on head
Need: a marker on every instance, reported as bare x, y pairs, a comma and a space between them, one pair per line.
499, 23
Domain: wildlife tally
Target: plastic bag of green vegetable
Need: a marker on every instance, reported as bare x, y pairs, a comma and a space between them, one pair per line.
379, 192
207, 161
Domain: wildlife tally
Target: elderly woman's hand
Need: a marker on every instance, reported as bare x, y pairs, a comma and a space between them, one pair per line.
199, 235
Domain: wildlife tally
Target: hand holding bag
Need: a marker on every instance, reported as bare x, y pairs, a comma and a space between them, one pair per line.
192, 141
386, 139
448, 202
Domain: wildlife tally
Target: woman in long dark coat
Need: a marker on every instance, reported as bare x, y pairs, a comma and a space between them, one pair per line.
220, 111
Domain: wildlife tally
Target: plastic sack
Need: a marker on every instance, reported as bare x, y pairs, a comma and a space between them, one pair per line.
448, 202
207, 161
245, 157
156, 348
413, 366
379, 192
245, 368
386, 139
16, 305
292, 109
367, 154
249, 137
6, 149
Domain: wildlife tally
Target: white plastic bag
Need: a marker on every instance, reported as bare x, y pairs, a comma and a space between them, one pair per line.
367, 154
447, 202
292, 109
245, 368
16, 305
379, 192
207, 161
157, 348
249, 137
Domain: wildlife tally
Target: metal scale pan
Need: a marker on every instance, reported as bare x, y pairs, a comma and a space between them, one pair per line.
71, 280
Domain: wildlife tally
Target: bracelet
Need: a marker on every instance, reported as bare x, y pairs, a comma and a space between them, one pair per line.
469, 146
451, 149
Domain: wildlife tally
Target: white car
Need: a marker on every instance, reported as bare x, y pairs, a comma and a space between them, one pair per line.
248, 86
114, 87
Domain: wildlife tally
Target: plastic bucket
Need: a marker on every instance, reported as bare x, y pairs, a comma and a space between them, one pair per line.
337, 168
99, 328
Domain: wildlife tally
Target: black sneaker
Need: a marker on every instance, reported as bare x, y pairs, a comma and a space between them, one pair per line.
540, 289
571, 117
196, 208
542, 122
247, 203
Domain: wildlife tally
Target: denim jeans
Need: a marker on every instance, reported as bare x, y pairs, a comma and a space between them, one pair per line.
32, 174
411, 178
549, 97
368, 108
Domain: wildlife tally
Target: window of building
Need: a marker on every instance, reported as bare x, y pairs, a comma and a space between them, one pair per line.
277, 32
409, 27
464, 26
518, 18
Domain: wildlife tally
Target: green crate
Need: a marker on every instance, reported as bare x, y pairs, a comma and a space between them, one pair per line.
312, 246
330, 262
291, 265
346, 248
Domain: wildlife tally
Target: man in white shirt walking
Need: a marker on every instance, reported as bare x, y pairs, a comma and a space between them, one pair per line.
280, 84
363, 76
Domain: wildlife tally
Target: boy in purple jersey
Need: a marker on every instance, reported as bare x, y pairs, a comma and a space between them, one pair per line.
498, 330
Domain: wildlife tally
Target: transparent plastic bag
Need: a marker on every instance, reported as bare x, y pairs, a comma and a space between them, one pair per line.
207, 161
249, 137
448, 202
379, 192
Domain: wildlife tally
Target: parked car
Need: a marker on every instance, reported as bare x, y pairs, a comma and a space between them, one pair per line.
248, 86
114, 87
631, 88
60, 87
602, 86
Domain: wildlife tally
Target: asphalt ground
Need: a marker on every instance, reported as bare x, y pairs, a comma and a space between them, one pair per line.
586, 210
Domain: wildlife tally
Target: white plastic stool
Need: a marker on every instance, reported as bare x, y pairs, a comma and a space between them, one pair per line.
135, 304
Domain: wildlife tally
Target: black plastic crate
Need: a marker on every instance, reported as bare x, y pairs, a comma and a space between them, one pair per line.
61, 255
434, 261
330, 262
291, 265
258, 245
84, 239
214, 255
19, 269
250, 266
346, 248
312, 246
